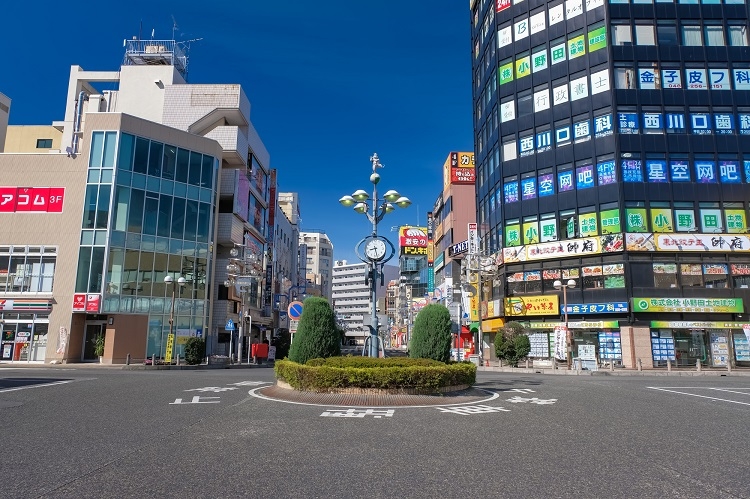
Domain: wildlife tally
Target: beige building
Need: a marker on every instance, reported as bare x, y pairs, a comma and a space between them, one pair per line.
319, 262
116, 231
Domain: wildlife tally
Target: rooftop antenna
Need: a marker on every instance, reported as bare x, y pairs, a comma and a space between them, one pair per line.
174, 26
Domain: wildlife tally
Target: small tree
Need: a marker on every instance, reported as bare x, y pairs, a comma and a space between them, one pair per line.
512, 343
195, 351
431, 338
317, 335
99, 345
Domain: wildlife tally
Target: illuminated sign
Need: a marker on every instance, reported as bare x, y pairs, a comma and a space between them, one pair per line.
31, 199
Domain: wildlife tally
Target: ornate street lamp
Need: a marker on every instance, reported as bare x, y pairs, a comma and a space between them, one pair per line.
168, 280
375, 247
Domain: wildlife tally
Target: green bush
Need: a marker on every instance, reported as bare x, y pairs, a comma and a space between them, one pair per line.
317, 334
512, 343
428, 378
195, 351
431, 338
358, 361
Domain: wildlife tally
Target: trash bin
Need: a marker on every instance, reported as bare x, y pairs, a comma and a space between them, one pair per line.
474, 359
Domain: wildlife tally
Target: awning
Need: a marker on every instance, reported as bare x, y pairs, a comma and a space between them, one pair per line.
492, 325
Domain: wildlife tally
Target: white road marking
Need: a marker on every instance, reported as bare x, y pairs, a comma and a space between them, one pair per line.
213, 389
696, 395
358, 413
36, 386
472, 409
731, 391
196, 400
533, 400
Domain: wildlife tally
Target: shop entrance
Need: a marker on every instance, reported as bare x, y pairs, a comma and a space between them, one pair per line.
94, 329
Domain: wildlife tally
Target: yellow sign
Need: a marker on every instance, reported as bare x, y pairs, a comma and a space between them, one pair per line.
736, 221
530, 232
492, 325
170, 347
532, 305
661, 220
523, 67
587, 225
474, 307
456, 160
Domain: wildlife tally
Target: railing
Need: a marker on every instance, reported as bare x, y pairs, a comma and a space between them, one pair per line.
138, 52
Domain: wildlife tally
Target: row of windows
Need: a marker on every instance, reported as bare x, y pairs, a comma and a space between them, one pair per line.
688, 33
659, 217
609, 276
27, 270
156, 159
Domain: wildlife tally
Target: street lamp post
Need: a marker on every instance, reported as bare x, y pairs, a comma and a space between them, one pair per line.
244, 269
289, 297
375, 251
169, 280
568, 337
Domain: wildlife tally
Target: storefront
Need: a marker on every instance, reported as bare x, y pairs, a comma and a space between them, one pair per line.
593, 341
713, 344
24, 334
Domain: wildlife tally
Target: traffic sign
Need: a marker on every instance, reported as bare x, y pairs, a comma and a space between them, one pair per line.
229, 326
295, 310
243, 280
293, 326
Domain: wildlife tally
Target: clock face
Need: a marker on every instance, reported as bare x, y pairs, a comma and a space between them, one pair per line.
375, 249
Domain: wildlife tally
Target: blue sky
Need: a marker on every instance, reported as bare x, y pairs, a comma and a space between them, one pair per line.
329, 83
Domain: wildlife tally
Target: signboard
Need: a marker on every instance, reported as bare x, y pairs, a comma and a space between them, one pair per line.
596, 308
86, 302
712, 305
459, 168
241, 206
229, 326
532, 305
430, 254
688, 242
698, 325
412, 240
575, 325
561, 342
587, 352
458, 248
21, 304
79, 302
170, 348
272, 353
560, 249
295, 310
473, 238
31, 199
293, 325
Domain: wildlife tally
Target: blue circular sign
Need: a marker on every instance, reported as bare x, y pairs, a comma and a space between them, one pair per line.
295, 310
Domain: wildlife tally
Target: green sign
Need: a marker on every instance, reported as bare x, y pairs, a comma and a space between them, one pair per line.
661, 219
610, 221
597, 39
513, 235
505, 73
685, 220
588, 225
635, 220
530, 233
548, 229
712, 305
576, 47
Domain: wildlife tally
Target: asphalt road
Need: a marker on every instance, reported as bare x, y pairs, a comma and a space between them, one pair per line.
89, 432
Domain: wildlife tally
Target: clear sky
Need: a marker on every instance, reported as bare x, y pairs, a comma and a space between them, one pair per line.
329, 83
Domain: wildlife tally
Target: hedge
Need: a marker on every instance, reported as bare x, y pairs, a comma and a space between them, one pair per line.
389, 374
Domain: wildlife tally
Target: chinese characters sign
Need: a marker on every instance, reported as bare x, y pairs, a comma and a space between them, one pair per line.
532, 305
596, 308
413, 240
713, 305
560, 249
687, 242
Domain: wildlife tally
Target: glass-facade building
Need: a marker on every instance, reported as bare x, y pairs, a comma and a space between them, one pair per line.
147, 214
613, 148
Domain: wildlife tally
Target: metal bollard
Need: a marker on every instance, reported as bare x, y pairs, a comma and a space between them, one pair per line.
698, 364
127, 360
612, 366
527, 363
640, 365
669, 365
178, 360
153, 359
729, 365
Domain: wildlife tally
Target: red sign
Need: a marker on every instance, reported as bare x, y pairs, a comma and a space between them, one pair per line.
31, 199
415, 237
93, 302
79, 303
501, 5
463, 175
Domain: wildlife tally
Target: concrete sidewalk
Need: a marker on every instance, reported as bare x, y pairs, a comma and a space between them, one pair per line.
131, 367
619, 371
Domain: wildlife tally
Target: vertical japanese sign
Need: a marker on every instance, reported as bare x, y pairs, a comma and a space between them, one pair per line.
473, 238
430, 254
268, 288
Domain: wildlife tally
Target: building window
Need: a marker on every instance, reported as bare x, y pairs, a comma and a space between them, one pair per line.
665, 275
691, 274
737, 35
714, 35
691, 35
43, 143
644, 34
27, 269
666, 34
624, 78
621, 34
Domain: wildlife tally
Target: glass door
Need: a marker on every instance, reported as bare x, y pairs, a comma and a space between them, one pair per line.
93, 331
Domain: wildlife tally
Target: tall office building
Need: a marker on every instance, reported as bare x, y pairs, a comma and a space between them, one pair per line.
613, 151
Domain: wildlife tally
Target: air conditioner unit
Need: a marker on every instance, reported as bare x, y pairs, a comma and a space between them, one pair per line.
473, 278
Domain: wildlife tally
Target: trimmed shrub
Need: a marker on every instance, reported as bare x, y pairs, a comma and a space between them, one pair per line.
195, 351
512, 343
323, 378
371, 362
317, 335
431, 338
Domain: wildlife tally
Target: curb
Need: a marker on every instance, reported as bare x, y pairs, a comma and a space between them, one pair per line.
650, 372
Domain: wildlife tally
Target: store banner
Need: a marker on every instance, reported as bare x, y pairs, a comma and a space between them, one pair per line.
711, 305
561, 342
575, 325
560, 249
596, 308
725, 243
610, 221
532, 305
698, 325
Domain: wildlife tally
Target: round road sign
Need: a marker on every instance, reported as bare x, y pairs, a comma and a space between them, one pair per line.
295, 310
